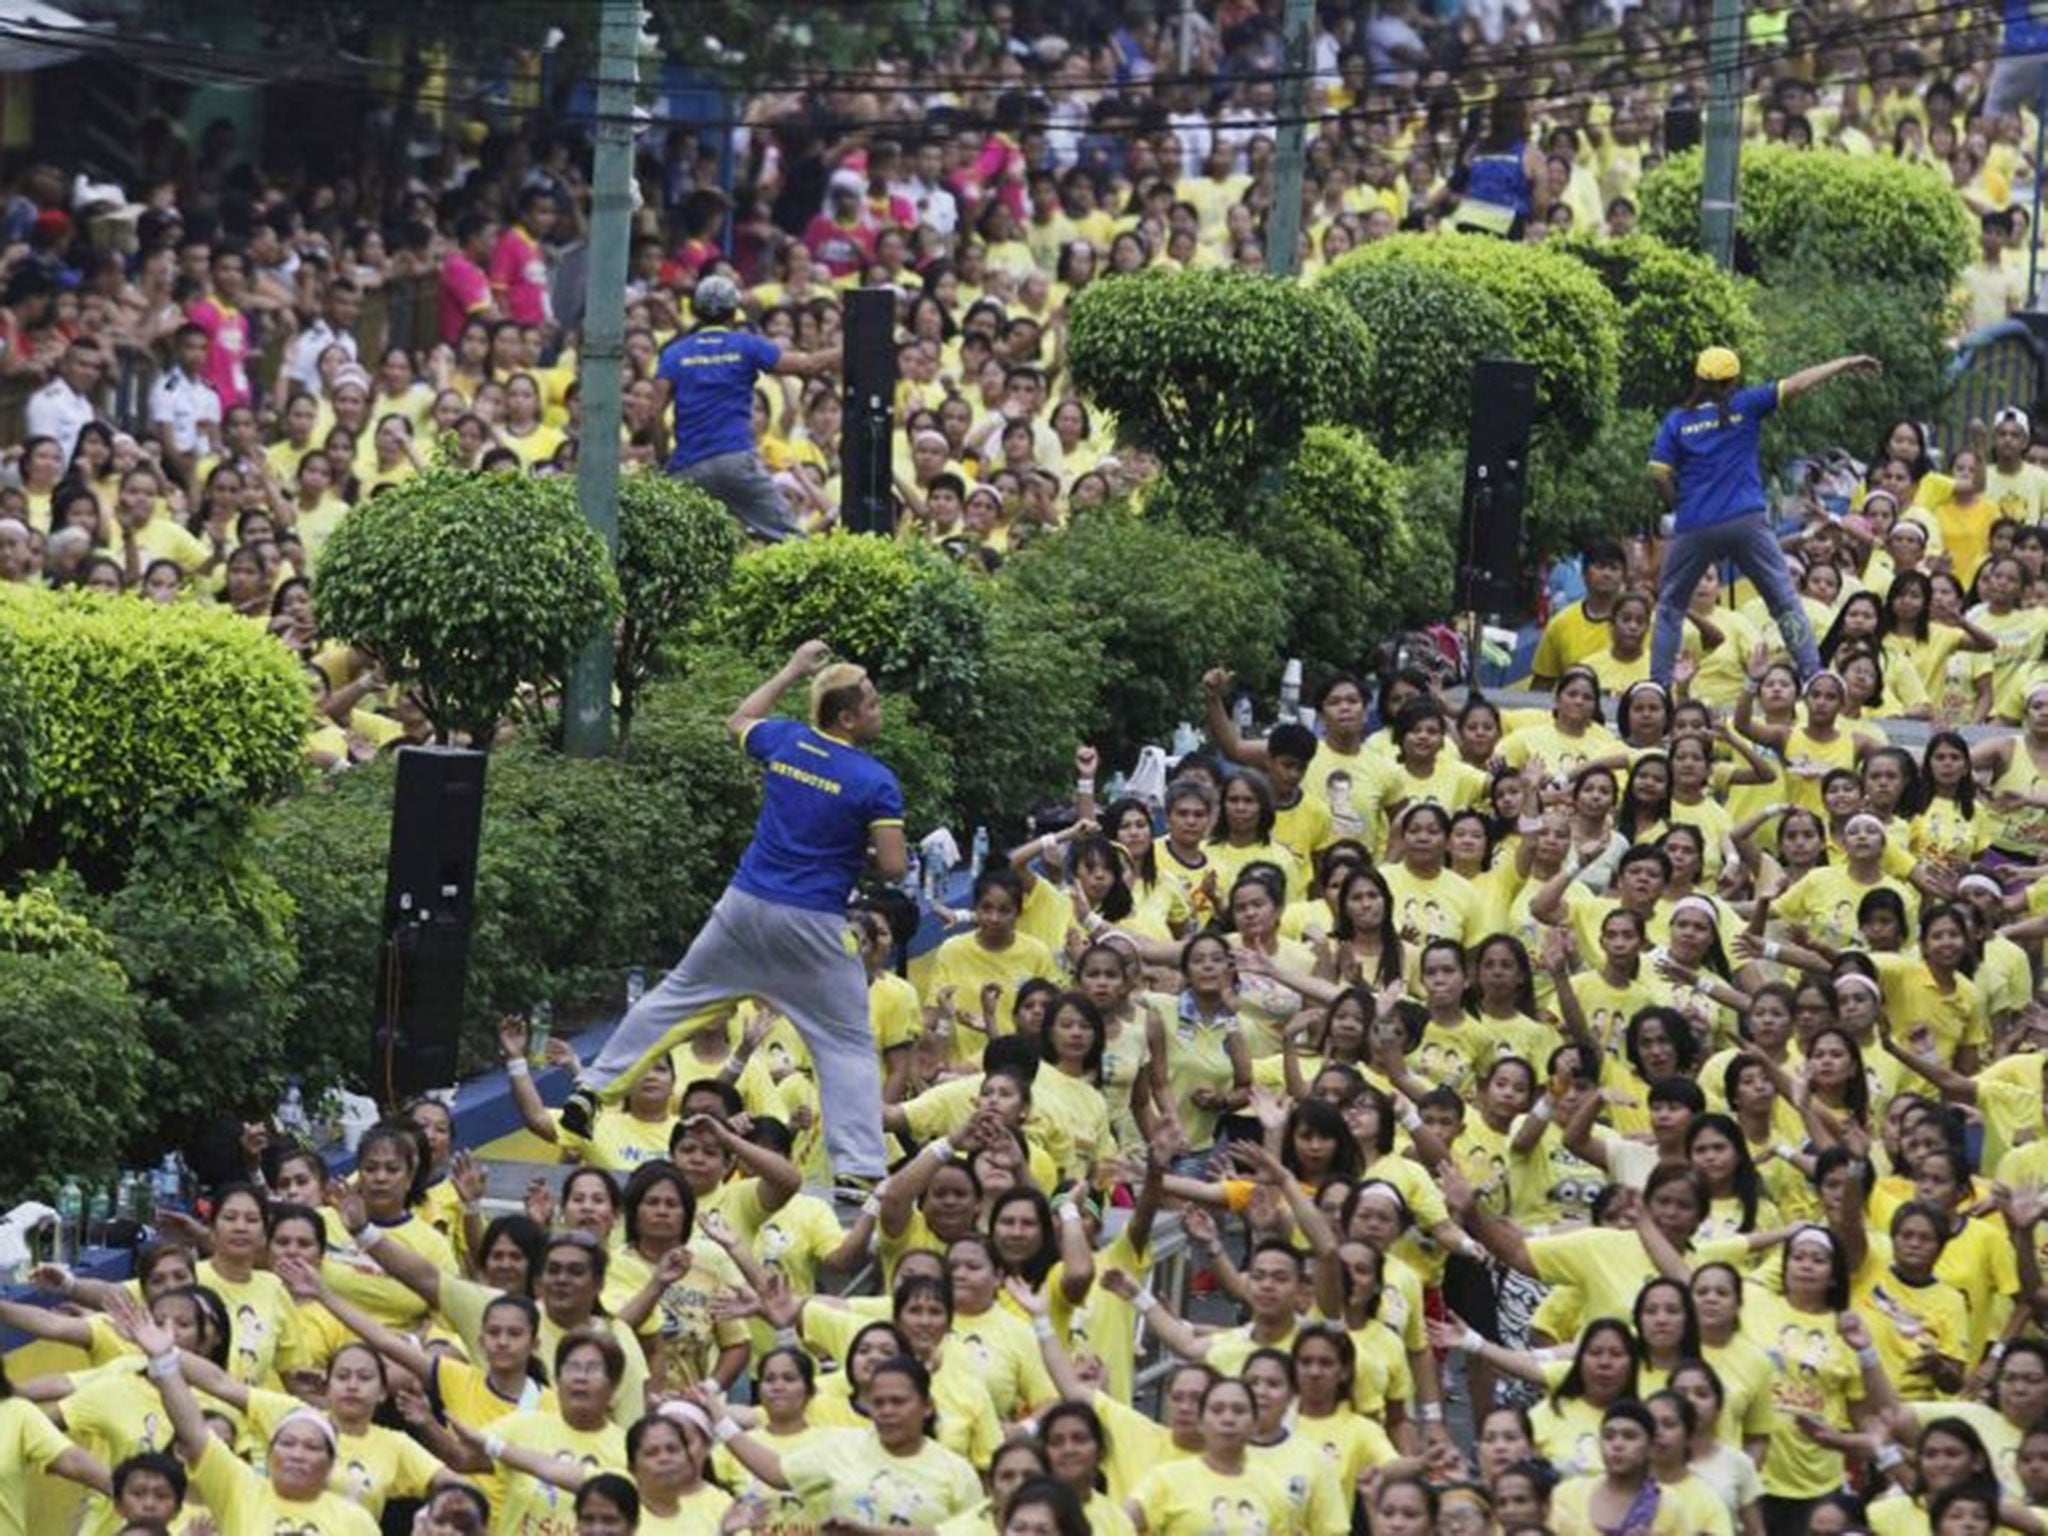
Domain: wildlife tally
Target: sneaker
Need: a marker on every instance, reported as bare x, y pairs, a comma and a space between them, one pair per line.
578, 1111
854, 1189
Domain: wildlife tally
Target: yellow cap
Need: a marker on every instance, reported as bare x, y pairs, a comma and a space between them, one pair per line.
1717, 364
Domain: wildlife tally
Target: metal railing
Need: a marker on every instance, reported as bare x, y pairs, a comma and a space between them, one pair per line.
2001, 365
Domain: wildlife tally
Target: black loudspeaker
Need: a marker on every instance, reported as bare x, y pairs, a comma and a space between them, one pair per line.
1490, 574
867, 489
429, 905
1681, 129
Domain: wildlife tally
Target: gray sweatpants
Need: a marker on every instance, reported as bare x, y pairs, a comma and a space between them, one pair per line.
802, 963
749, 493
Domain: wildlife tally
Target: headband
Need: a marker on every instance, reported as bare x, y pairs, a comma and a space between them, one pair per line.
2037, 689
1700, 904
1859, 818
1853, 979
679, 1411
1827, 672
1984, 883
316, 1419
1819, 1235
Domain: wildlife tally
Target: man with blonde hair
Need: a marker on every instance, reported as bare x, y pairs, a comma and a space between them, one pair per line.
780, 931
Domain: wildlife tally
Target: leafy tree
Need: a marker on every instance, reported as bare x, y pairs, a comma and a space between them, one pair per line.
677, 545
1219, 372
1674, 304
1429, 325
1559, 316
468, 589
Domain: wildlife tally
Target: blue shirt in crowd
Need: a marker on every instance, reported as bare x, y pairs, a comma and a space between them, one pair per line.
711, 373
822, 798
1711, 449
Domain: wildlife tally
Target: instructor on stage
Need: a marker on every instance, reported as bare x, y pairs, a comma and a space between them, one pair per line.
779, 932
1705, 466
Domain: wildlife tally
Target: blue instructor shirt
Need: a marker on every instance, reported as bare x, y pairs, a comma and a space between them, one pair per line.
1712, 452
711, 373
822, 798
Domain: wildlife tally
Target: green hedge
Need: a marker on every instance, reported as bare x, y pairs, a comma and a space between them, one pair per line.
1560, 317
1854, 218
1430, 324
1355, 563
72, 1078
1219, 371
20, 741
1674, 304
1162, 605
468, 588
148, 714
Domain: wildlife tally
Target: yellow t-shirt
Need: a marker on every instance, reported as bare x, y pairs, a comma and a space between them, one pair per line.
243, 1503
264, 1321
966, 965
29, 1442
371, 1468
1571, 1511
1606, 1266
1817, 1374
1189, 1498
1568, 639
534, 1508
1924, 1015
848, 1475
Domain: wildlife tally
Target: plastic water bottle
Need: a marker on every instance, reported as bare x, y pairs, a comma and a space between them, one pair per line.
636, 985
98, 1212
1116, 789
980, 855
170, 1184
912, 882
1241, 714
1290, 689
541, 1022
70, 1218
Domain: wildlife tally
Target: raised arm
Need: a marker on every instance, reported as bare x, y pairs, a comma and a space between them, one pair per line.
780, 1178
304, 1281
803, 661
1812, 378
533, 1114
1172, 1329
1222, 729
1452, 1333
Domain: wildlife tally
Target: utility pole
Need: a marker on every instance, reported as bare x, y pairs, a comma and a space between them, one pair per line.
1724, 133
587, 722
1283, 222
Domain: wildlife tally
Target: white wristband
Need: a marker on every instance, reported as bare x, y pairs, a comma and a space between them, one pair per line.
1069, 1211
1041, 1327
726, 1429
1471, 1342
1867, 1356
942, 1146
787, 1338
1048, 845
1430, 1413
1541, 1111
1411, 1117
1146, 1299
872, 1206
162, 1367
518, 1067
494, 1446
1771, 949
1084, 786
1888, 1457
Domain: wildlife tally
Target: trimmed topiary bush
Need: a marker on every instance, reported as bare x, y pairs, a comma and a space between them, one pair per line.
1220, 371
1856, 218
147, 713
912, 617
1560, 317
677, 545
1674, 304
1430, 325
468, 588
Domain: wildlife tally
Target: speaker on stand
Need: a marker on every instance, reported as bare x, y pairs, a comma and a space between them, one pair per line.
429, 908
868, 488
1491, 575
